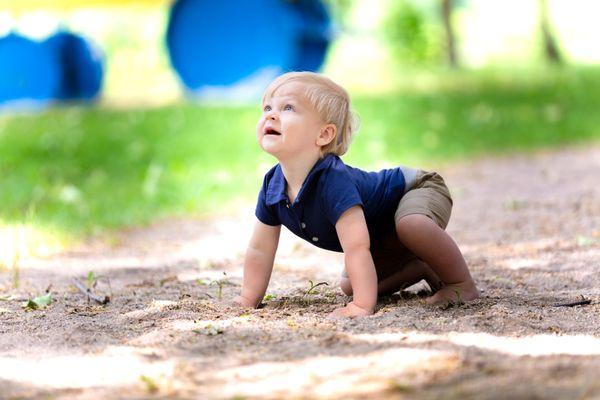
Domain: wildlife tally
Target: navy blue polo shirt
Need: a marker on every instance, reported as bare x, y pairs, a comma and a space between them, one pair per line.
330, 188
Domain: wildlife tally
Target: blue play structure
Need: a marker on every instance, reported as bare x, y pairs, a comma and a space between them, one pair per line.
221, 43
63, 67
213, 46
82, 67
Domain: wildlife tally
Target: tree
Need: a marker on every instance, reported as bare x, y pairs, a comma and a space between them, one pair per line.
449, 31
551, 50
422, 32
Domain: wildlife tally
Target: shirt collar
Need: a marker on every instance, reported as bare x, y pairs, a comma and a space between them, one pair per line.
277, 184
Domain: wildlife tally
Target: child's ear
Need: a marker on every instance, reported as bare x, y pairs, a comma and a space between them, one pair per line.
327, 134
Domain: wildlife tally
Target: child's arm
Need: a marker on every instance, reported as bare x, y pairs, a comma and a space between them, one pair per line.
354, 237
258, 263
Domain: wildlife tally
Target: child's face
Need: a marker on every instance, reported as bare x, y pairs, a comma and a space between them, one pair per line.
289, 125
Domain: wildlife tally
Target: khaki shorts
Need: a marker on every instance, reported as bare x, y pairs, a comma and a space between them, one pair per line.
428, 196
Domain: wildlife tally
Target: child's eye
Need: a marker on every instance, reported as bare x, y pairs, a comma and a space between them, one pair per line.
288, 107
267, 108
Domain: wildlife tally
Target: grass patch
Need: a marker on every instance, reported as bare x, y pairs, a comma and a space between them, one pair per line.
88, 170
468, 115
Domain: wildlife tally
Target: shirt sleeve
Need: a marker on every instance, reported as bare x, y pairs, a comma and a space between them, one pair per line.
339, 194
263, 212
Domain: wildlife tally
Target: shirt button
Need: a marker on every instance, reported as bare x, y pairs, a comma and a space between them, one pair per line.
303, 225
315, 239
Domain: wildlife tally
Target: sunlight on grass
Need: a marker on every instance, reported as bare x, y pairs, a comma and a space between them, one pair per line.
88, 169
21, 241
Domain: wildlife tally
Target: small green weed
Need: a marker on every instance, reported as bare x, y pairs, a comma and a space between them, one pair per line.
149, 383
219, 283
38, 302
311, 291
91, 279
269, 297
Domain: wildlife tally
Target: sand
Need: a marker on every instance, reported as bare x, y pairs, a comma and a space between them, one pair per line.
528, 225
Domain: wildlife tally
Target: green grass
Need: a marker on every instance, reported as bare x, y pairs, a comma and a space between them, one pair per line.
87, 170
469, 115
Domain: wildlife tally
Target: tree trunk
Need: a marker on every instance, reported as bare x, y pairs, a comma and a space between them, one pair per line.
551, 50
449, 29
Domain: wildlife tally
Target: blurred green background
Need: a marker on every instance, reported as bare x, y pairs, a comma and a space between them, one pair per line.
433, 82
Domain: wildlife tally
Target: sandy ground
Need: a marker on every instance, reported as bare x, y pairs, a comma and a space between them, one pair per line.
529, 226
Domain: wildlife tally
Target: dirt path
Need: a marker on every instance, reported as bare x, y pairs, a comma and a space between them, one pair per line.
528, 225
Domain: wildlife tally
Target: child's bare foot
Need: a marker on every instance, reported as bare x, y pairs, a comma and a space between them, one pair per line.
455, 293
351, 310
240, 301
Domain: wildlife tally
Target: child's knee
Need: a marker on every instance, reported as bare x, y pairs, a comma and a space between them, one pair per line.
408, 223
346, 286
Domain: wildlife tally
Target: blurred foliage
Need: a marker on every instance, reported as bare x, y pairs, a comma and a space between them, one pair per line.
465, 114
340, 10
414, 32
85, 170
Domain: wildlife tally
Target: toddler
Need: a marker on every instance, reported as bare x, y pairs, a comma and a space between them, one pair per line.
389, 224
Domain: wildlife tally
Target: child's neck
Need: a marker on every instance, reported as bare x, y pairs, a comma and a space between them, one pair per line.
295, 172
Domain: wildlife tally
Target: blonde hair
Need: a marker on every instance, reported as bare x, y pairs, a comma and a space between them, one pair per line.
332, 103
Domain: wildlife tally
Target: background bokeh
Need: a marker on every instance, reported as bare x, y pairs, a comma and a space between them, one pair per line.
483, 78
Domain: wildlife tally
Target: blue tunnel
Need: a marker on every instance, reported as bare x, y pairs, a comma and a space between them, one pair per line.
81, 72
221, 43
63, 67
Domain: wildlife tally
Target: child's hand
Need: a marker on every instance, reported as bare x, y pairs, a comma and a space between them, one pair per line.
351, 310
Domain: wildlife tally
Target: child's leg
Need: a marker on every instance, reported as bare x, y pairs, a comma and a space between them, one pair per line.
411, 272
421, 235
422, 215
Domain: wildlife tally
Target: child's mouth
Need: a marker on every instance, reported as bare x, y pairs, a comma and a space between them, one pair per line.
271, 131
